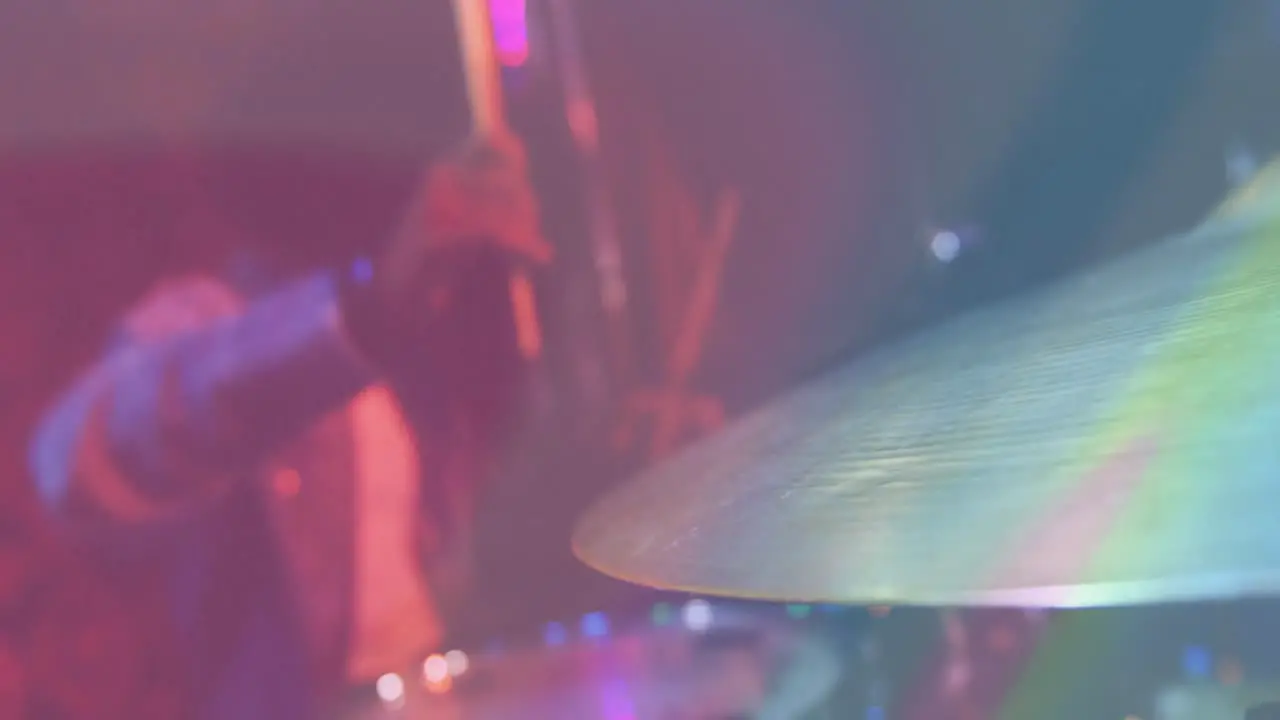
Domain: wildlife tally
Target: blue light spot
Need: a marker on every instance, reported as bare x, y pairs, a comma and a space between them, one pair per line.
875, 712
595, 625
1196, 662
554, 634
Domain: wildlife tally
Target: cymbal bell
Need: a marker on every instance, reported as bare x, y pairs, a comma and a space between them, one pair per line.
1113, 439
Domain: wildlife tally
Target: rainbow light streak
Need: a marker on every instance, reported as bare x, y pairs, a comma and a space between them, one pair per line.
1066, 655
510, 31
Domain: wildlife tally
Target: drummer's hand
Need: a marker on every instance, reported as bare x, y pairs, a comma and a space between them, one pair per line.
473, 220
476, 200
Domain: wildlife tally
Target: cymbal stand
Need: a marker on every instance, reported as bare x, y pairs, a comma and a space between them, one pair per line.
877, 686
602, 226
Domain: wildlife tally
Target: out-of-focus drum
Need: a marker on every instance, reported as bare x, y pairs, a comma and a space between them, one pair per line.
1213, 701
747, 662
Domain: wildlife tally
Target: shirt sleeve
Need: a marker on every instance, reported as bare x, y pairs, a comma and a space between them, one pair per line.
199, 388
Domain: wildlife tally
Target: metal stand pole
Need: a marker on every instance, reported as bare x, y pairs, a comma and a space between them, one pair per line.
602, 227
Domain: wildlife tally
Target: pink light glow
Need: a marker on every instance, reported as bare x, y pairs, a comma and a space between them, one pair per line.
510, 31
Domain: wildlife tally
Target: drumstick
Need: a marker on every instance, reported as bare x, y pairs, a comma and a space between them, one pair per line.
488, 120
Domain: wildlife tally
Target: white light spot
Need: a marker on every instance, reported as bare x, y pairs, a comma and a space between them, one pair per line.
945, 245
456, 662
435, 669
697, 615
390, 688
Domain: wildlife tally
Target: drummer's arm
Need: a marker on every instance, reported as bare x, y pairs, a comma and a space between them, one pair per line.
199, 388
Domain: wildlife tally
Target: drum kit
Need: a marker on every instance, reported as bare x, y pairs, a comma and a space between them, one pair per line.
1212, 701
1108, 440
725, 660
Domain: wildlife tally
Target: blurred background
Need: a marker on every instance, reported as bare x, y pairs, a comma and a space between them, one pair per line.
777, 187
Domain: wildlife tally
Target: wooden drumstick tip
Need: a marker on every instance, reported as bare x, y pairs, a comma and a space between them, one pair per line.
525, 311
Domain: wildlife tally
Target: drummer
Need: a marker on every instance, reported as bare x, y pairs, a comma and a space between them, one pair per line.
244, 448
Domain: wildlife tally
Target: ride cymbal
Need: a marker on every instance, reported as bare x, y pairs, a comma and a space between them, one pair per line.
1112, 439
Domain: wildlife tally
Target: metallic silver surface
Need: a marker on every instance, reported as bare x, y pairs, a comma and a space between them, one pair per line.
1112, 439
